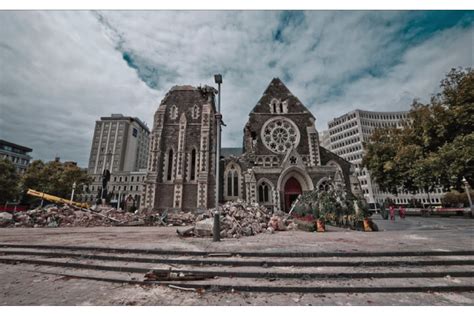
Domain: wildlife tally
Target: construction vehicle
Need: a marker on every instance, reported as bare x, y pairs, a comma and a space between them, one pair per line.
55, 199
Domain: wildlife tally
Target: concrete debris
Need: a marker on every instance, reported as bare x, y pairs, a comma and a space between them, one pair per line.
69, 216
174, 276
238, 218
5, 219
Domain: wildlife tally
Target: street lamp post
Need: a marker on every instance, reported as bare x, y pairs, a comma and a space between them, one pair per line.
466, 185
216, 228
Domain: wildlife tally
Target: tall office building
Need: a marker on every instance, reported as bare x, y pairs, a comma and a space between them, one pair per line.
15, 153
347, 135
120, 145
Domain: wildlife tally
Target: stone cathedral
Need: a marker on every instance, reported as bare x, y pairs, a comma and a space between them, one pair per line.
280, 159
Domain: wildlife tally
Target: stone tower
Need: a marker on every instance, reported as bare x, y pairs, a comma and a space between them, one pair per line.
181, 167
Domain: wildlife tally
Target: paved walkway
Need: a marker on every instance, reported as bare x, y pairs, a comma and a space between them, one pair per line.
25, 285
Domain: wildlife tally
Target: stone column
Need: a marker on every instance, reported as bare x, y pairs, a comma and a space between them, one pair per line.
203, 166
178, 182
154, 157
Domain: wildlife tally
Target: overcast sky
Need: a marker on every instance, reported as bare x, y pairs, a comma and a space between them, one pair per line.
61, 70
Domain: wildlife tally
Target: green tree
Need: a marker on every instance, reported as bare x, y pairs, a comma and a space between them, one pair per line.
54, 178
9, 181
455, 199
436, 145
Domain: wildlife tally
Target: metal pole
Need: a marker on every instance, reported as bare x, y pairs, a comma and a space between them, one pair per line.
216, 228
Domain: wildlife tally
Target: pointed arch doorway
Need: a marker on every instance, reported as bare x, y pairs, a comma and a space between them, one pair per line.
291, 191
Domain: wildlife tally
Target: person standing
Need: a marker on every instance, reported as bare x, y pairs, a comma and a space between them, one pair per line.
401, 211
392, 212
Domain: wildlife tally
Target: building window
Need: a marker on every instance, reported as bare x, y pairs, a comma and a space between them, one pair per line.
193, 165
173, 112
233, 182
263, 193
134, 132
195, 112
230, 177
170, 165
325, 186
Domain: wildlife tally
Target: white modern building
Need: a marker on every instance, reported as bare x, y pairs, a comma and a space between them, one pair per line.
120, 145
346, 137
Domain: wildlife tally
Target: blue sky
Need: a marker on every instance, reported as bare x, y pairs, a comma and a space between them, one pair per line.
62, 70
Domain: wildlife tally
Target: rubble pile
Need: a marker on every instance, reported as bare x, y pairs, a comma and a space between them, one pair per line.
180, 219
68, 216
65, 216
239, 219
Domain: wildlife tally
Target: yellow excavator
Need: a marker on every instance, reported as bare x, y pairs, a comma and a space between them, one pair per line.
55, 199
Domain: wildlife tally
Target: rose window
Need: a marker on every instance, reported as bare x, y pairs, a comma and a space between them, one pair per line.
280, 134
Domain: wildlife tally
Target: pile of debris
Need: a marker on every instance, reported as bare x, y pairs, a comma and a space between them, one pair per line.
239, 219
64, 216
69, 216
179, 219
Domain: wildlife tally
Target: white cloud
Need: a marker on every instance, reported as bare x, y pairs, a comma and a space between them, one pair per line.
61, 71
59, 75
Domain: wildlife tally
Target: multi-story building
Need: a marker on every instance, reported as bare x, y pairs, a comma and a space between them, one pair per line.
16, 154
122, 186
347, 135
120, 145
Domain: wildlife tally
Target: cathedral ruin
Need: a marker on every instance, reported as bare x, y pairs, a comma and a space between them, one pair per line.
280, 159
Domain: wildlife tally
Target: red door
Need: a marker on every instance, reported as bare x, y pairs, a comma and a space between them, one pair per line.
292, 190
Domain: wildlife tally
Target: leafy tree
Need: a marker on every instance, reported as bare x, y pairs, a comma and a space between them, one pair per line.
436, 145
455, 199
54, 178
9, 179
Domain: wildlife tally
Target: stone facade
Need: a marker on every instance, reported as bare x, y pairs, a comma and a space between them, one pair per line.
181, 173
123, 186
281, 156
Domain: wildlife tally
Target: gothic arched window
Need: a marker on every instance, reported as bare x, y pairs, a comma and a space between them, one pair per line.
195, 112
233, 182
324, 186
173, 112
193, 165
274, 106
263, 193
169, 172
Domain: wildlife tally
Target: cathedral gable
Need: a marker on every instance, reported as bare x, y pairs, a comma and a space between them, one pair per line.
278, 99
